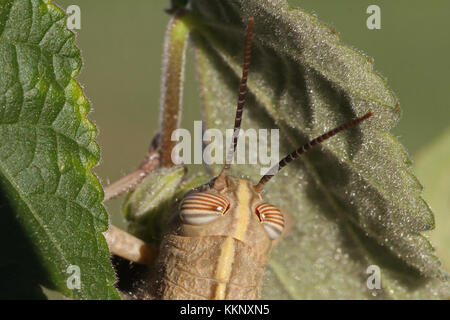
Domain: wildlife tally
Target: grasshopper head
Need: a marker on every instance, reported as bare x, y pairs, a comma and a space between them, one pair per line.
236, 210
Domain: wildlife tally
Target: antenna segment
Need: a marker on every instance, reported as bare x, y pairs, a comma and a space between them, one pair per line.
308, 146
242, 92
220, 182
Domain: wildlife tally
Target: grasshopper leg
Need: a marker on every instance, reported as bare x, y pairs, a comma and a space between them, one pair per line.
129, 247
120, 242
129, 181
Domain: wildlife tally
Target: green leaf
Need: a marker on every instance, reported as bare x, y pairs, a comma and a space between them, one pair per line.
432, 166
148, 208
52, 215
354, 199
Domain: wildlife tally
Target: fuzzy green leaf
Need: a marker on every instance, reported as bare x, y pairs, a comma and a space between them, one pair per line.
149, 207
354, 199
146, 208
52, 215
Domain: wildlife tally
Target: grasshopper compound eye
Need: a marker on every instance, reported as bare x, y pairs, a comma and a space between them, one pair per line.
271, 218
203, 207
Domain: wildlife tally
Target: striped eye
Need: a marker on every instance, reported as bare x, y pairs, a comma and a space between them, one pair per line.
203, 207
271, 218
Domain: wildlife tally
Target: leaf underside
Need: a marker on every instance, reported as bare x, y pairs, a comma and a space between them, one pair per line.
51, 212
354, 199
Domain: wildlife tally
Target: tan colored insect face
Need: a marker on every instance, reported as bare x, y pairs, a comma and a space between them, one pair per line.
237, 211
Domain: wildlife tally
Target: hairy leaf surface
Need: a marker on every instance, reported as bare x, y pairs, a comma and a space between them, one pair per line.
354, 199
52, 215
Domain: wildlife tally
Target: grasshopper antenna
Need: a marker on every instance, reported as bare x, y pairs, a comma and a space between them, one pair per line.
308, 146
220, 182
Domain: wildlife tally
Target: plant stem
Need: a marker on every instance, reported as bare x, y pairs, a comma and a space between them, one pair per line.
172, 85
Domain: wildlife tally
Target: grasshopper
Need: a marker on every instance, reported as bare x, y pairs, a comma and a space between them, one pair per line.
221, 234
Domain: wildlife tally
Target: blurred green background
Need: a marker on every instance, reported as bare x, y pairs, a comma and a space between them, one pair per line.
121, 43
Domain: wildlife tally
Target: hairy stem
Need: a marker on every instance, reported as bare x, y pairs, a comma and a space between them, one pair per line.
172, 85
